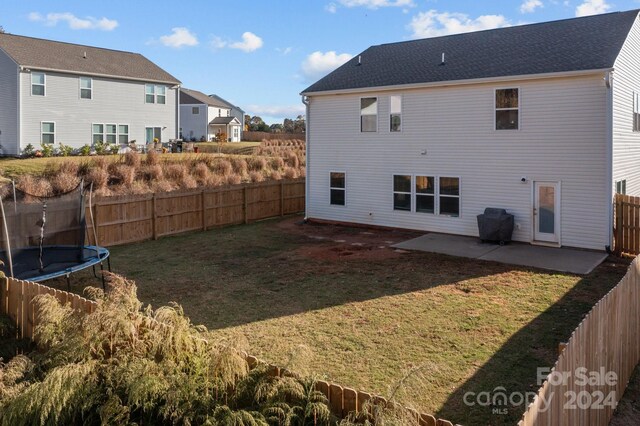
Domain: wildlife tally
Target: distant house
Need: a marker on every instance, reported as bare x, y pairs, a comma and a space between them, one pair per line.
236, 111
541, 119
52, 92
204, 117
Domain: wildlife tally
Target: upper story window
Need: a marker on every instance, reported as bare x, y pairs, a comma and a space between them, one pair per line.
86, 88
48, 132
219, 112
395, 113
38, 80
195, 110
228, 113
636, 112
369, 114
155, 94
621, 187
507, 109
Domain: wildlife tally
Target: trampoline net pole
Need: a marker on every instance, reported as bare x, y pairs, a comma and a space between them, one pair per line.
5, 231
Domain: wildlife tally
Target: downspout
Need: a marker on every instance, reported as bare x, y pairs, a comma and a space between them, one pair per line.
608, 78
305, 101
178, 112
19, 112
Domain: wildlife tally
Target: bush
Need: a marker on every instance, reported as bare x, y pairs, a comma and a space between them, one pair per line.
28, 151
153, 158
132, 159
47, 150
223, 167
64, 182
256, 176
65, 150
84, 150
99, 177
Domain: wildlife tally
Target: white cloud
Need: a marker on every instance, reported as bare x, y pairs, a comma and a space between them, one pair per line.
530, 6
318, 64
179, 37
331, 8
75, 23
434, 24
592, 7
290, 111
249, 43
218, 43
375, 4
284, 50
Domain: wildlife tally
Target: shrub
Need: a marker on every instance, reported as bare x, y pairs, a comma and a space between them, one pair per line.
233, 179
101, 163
124, 174
162, 186
175, 172
275, 175
64, 182
257, 163
256, 176
47, 150
239, 165
100, 147
201, 173
114, 148
153, 158
290, 173
84, 150
65, 150
223, 167
99, 177
292, 159
28, 151
151, 172
132, 158
67, 166
276, 163
36, 186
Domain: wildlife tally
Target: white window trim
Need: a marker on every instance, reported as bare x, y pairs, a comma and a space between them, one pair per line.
459, 196
341, 189
118, 134
44, 85
90, 89
436, 184
635, 126
519, 109
152, 127
411, 193
104, 131
390, 114
145, 93
55, 130
155, 89
195, 108
377, 113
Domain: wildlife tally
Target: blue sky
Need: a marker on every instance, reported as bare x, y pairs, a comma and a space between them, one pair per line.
260, 54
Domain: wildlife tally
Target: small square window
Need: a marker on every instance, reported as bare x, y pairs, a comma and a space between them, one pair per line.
195, 110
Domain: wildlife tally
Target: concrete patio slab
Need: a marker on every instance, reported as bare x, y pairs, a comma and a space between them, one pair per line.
556, 259
453, 245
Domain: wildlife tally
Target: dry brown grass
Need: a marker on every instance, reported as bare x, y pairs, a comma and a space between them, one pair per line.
153, 158
132, 159
223, 167
64, 181
257, 164
233, 180
275, 175
99, 177
36, 186
290, 173
256, 176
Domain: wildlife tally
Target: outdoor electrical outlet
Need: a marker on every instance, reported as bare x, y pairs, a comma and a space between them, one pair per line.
517, 226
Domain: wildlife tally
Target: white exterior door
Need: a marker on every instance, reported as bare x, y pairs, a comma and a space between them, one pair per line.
546, 212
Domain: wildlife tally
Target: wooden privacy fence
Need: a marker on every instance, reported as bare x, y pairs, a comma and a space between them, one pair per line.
627, 226
16, 302
606, 341
131, 218
259, 136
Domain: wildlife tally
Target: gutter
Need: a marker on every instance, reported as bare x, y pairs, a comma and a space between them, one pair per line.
306, 102
609, 156
25, 68
459, 82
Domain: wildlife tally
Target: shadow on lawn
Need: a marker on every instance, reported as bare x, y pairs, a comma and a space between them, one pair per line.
514, 366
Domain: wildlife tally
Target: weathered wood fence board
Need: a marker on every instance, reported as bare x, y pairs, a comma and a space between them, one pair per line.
133, 218
627, 224
16, 301
607, 338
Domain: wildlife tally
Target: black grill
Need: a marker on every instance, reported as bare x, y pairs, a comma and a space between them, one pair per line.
495, 225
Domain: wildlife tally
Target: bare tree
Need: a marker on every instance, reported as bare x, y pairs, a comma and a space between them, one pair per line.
1, 29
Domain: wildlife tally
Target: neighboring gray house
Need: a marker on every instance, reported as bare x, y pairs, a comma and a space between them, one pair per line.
52, 92
202, 116
236, 111
541, 119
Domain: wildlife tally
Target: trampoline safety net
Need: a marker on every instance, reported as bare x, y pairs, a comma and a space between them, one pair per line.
41, 235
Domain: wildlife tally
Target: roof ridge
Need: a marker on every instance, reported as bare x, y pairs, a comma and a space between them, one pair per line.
575, 18
70, 43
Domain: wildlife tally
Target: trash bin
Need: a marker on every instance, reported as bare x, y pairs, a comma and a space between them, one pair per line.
495, 225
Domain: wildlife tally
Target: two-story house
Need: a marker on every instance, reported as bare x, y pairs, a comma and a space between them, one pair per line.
52, 92
236, 111
540, 119
206, 117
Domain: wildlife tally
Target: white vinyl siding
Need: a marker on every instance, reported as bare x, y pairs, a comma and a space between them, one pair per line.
9, 73
74, 116
564, 140
626, 141
636, 111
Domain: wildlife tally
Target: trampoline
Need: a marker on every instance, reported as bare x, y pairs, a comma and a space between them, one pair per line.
44, 238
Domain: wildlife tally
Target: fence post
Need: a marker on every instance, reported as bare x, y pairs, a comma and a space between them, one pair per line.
204, 221
96, 223
154, 216
245, 206
618, 225
281, 198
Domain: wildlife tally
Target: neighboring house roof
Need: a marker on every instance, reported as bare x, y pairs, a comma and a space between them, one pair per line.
577, 44
225, 102
51, 55
188, 96
224, 120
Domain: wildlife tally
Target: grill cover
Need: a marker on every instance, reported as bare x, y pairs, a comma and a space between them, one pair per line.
495, 225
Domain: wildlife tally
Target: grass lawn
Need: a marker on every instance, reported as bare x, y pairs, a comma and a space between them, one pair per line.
368, 313
12, 167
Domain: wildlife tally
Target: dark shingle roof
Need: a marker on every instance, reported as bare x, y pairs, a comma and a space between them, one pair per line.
54, 55
188, 96
222, 120
577, 44
226, 103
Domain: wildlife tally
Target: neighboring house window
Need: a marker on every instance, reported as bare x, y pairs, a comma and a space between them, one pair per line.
195, 110
402, 192
507, 109
636, 112
369, 114
161, 95
228, 113
150, 93
111, 131
48, 132
337, 188
86, 88
123, 134
38, 80
621, 187
425, 194
395, 116
219, 112
449, 196
97, 133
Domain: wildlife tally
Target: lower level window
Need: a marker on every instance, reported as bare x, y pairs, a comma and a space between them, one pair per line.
425, 194
449, 196
621, 187
123, 134
338, 188
402, 192
48, 132
112, 133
